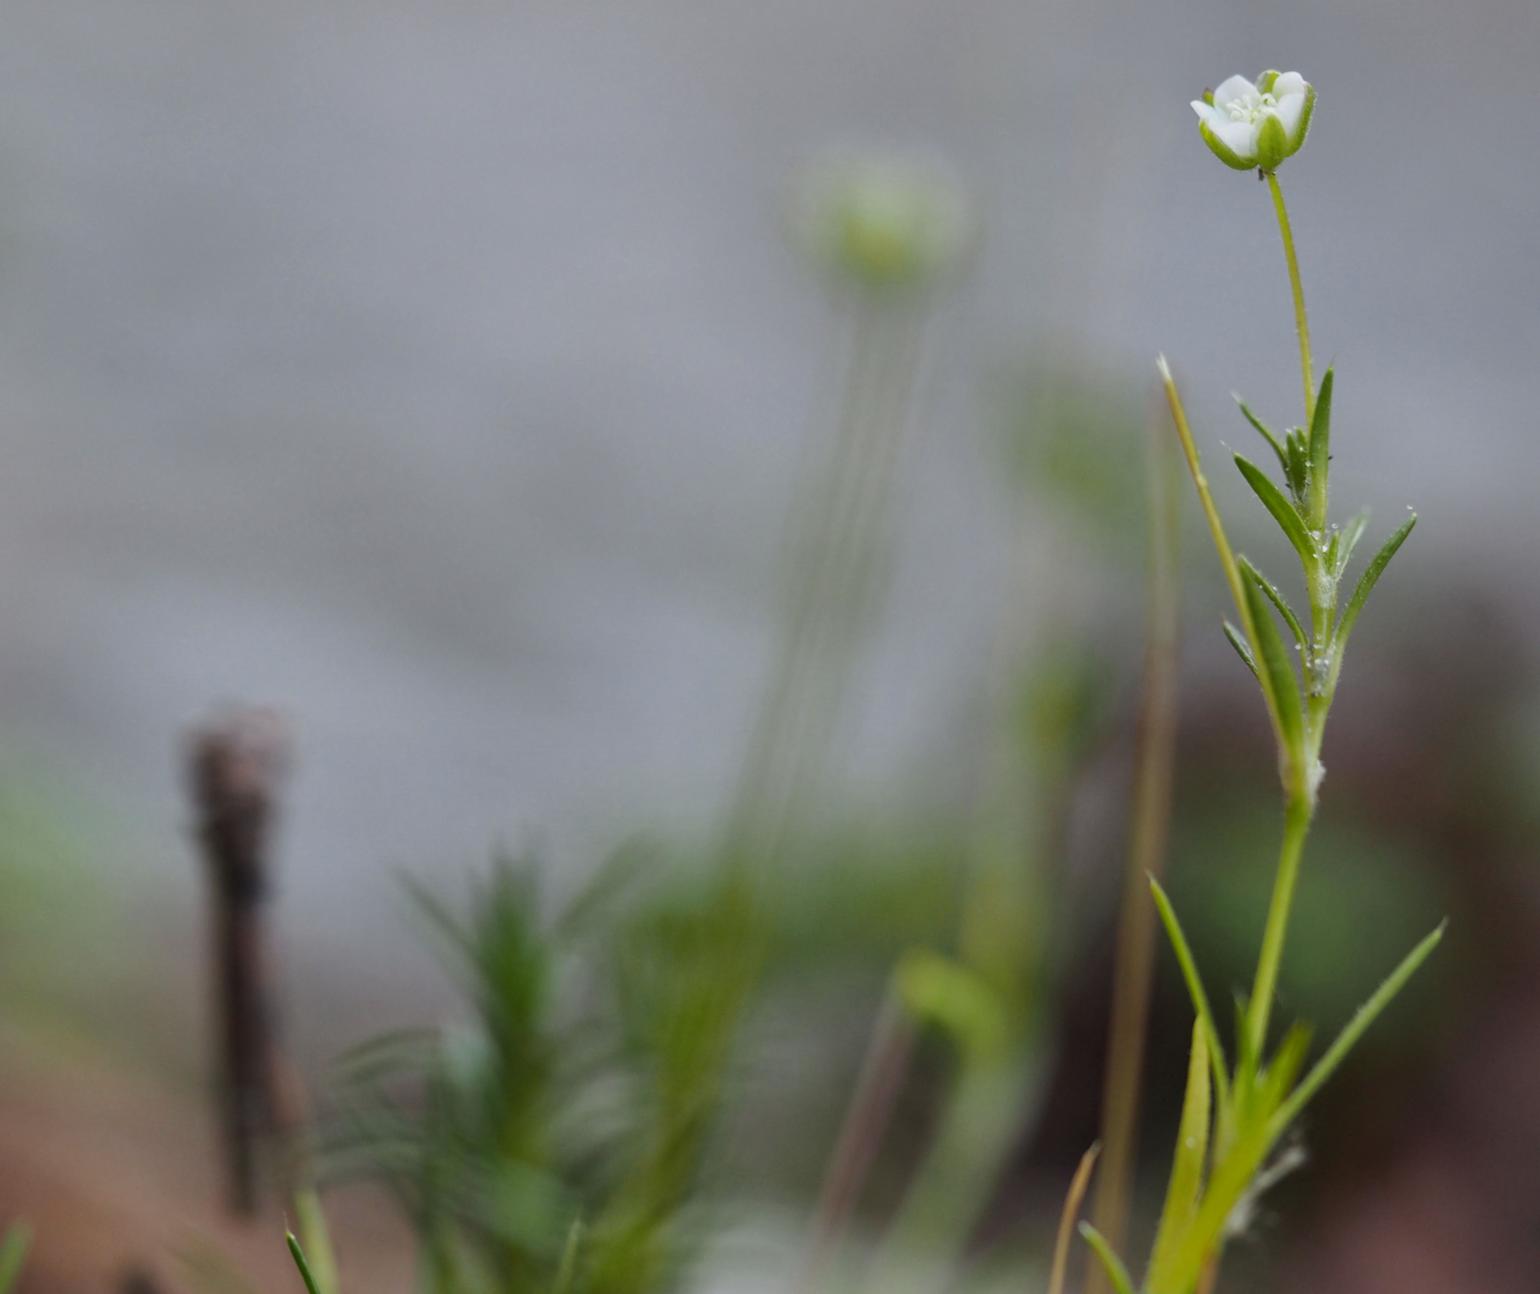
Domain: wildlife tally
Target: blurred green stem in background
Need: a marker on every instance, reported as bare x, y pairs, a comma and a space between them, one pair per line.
834, 563
13, 1253
992, 1001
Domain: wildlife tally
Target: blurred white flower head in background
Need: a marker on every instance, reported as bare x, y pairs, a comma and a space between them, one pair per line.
883, 221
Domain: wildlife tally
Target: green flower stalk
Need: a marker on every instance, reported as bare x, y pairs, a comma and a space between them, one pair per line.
1237, 1108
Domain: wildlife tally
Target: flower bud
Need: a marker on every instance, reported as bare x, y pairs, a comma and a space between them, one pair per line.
1257, 125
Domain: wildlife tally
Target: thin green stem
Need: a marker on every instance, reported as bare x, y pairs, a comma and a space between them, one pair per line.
1301, 321
1296, 827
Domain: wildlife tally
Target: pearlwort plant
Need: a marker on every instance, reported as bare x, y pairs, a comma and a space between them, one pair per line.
1237, 1108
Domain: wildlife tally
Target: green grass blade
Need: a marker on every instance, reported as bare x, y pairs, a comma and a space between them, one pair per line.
1276, 502
299, 1261
1362, 1019
1320, 452
1371, 577
1185, 1188
1242, 648
1200, 1006
1273, 657
1283, 458
1111, 1264
316, 1240
13, 1252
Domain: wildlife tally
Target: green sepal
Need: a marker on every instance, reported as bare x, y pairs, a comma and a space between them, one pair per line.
1284, 512
1320, 452
1272, 143
1305, 113
1223, 151
1122, 1283
1371, 577
1266, 80
1242, 649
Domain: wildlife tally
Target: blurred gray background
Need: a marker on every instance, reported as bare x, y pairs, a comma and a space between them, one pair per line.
440, 372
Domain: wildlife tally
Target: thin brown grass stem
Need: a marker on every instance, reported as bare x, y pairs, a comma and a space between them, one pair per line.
1072, 1201
865, 1124
1135, 958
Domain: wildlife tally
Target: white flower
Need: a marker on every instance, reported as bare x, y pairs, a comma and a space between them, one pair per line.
1259, 125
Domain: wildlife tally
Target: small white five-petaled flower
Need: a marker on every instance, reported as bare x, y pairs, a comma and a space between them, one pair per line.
1259, 125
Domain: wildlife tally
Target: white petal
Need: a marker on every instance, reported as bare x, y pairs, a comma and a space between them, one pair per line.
1290, 107
1232, 88
1288, 83
1240, 137
1209, 113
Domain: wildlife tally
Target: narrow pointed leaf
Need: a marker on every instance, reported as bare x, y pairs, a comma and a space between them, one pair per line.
1111, 1264
298, 1255
1362, 1019
1284, 609
1228, 1183
1276, 1080
1284, 512
1245, 1053
1187, 1164
1273, 659
1297, 448
1200, 1006
1320, 452
1371, 577
1283, 458
1348, 540
1242, 647
316, 1240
